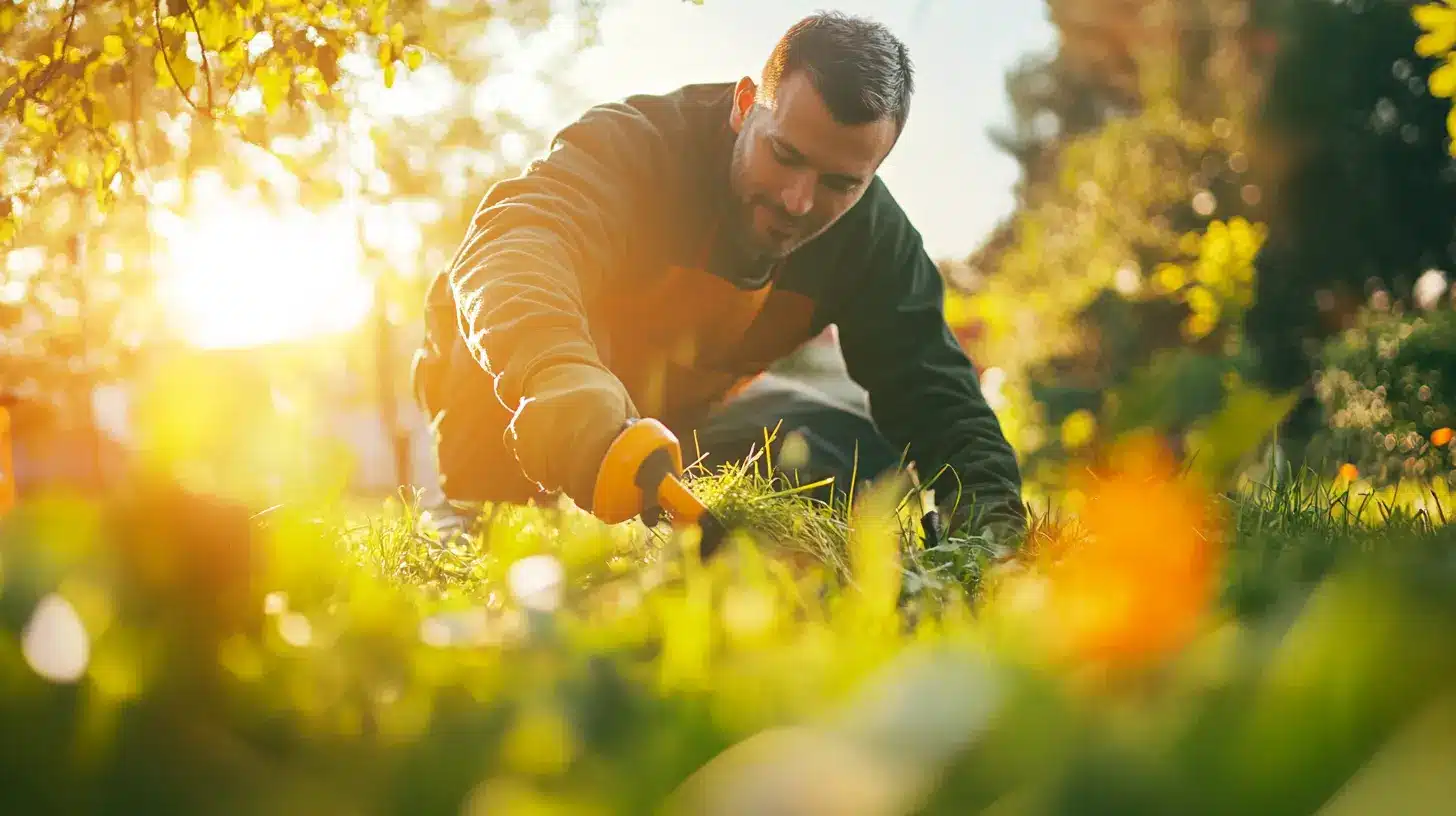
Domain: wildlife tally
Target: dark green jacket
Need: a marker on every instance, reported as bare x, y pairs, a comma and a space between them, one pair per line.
602, 256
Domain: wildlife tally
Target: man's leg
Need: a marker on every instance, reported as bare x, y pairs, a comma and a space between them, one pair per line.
841, 442
468, 423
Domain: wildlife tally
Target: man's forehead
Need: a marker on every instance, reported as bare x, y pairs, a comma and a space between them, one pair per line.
802, 121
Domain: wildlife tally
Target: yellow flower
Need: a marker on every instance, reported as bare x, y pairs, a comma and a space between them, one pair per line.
1171, 277
1202, 301
1198, 326
1443, 79
1078, 429
1209, 272
1246, 238
1142, 584
1439, 23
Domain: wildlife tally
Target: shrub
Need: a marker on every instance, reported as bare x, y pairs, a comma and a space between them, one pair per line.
1387, 391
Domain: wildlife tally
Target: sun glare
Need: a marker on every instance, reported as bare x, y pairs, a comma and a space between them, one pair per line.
239, 275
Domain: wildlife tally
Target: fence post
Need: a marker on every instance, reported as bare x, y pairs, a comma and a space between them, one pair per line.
7, 463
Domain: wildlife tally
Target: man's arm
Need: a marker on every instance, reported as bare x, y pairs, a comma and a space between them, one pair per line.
537, 251
923, 390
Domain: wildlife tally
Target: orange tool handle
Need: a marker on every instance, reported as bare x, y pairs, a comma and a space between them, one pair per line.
645, 461
678, 500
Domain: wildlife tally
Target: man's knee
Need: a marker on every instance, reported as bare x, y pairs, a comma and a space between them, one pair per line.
812, 437
469, 422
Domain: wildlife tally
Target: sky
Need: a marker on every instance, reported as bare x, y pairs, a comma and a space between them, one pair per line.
945, 172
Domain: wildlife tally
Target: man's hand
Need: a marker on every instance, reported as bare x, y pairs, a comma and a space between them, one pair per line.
572, 413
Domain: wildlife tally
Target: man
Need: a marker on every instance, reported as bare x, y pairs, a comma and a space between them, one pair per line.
671, 248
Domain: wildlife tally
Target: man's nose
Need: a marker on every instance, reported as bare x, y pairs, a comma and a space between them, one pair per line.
798, 196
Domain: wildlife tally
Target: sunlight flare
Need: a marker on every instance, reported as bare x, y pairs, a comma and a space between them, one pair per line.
236, 274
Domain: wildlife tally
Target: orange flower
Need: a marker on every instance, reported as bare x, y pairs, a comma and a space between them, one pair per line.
1349, 473
1140, 585
1441, 437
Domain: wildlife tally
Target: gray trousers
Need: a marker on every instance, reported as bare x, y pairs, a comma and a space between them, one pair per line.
475, 466
840, 439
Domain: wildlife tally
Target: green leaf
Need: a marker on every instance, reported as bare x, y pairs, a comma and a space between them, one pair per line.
186, 71
78, 172
377, 10
100, 113
273, 81
159, 66
32, 118
1247, 419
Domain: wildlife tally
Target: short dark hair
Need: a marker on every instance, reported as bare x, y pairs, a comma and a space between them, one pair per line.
862, 70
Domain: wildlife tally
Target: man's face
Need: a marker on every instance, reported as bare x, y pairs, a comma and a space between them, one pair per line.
795, 169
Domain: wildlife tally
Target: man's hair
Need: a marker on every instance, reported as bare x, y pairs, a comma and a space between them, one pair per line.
858, 66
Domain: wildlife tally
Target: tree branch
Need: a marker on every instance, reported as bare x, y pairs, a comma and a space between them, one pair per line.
167, 60
201, 47
50, 69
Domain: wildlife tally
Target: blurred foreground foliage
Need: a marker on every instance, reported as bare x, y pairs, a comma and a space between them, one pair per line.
1168, 650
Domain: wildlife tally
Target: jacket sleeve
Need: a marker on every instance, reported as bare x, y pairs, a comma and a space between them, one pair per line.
538, 249
923, 391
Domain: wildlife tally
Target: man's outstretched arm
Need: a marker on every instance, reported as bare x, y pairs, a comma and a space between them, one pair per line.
536, 252
923, 390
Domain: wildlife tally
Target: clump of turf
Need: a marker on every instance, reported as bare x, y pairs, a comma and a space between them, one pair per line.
813, 523
748, 497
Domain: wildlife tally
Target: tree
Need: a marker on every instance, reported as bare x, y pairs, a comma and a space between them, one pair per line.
103, 102
110, 106
1366, 190
1132, 239
110, 110
1051, 104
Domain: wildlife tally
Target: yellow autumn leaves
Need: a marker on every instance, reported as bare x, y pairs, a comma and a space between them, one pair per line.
1438, 21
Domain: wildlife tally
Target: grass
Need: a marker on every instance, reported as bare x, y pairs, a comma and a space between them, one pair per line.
207, 659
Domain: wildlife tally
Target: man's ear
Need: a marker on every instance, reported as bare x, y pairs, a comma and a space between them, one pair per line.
745, 93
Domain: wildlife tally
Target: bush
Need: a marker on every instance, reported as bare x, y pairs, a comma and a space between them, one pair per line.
1387, 391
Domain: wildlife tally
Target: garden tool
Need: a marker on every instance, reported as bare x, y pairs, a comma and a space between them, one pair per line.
642, 475
930, 521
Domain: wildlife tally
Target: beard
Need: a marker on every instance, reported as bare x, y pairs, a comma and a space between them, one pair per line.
739, 225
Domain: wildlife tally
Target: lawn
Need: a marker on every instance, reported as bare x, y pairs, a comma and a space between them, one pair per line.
1168, 650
